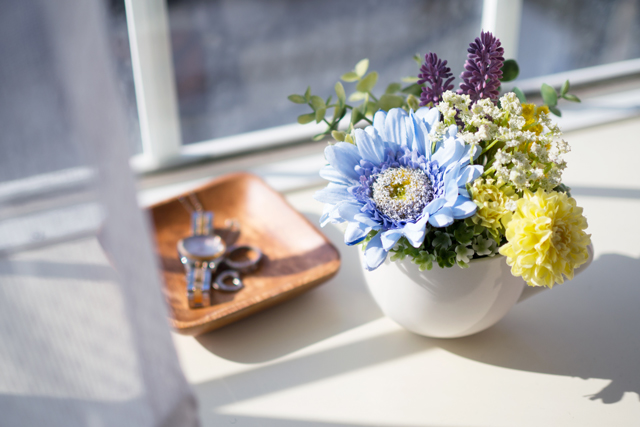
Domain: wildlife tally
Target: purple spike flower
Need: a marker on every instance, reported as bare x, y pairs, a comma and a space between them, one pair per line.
483, 68
434, 71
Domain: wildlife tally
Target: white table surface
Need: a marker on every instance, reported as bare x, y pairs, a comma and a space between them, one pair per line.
569, 356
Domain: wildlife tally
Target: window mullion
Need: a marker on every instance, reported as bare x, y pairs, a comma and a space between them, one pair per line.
149, 38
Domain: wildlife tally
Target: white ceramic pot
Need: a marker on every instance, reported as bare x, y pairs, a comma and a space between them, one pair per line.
448, 302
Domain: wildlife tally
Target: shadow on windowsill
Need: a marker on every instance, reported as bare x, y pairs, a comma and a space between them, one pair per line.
341, 304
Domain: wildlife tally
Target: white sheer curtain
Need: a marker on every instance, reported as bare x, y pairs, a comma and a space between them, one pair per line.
84, 339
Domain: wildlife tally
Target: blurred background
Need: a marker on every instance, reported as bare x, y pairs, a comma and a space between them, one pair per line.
236, 61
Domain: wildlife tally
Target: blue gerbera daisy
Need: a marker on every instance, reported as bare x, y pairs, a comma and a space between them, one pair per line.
396, 179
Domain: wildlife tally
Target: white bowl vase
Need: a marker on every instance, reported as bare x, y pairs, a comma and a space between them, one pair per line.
448, 302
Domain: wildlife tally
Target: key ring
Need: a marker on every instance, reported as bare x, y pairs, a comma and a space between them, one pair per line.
204, 252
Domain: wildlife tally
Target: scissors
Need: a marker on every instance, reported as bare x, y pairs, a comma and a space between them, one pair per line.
205, 253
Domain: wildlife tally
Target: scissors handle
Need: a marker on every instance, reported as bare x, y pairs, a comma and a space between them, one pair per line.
243, 258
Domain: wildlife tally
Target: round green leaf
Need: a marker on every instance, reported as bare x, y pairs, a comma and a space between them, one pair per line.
338, 135
306, 118
549, 95
413, 102
357, 96
571, 97
351, 76
307, 94
414, 89
320, 113
388, 102
520, 94
340, 92
555, 110
393, 88
565, 88
510, 70
298, 99
362, 67
410, 79
356, 116
317, 102
368, 82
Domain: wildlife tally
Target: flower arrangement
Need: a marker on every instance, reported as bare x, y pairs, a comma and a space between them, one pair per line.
446, 177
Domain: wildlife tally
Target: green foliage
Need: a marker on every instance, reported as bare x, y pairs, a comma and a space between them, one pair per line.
298, 99
393, 88
458, 243
361, 67
550, 96
361, 102
510, 70
388, 101
306, 118
368, 82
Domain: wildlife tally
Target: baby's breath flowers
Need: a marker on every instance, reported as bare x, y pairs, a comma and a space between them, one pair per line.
471, 174
546, 238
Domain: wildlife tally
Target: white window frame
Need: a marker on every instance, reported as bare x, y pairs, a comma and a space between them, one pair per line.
156, 97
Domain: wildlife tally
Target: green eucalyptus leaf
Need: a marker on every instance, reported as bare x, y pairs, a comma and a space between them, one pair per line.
338, 135
340, 92
410, 79
362, 67
318, 137
564, 89
357, 96
555, 110
413, 102
328, 101
393, 88
368, 82
549, 95
317, 102
372, 107
418, 58
388, 101
356, 116
351, 76
571, 97
510, 70
320, 113
338, 112
298, 99
414, 89
306, 118
307, 94
520, 94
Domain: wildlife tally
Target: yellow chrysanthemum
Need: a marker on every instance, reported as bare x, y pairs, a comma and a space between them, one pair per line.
546, 238
531, 113
493, 203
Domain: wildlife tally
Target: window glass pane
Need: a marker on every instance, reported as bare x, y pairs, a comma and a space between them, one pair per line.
564, 35
237, 60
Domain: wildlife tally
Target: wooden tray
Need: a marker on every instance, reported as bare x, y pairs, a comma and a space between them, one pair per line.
297, 256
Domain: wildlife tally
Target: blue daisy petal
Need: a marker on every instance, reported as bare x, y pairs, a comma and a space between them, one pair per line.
366, 178
355, 233
374, 254
332, 193
329, 173
343, 157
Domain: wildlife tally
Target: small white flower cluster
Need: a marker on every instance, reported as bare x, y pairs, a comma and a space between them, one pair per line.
525, 157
